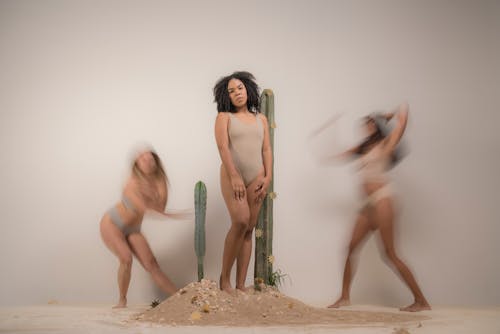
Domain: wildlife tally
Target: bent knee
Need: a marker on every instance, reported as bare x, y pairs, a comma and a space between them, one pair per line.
248, 233
391, 255
126, 260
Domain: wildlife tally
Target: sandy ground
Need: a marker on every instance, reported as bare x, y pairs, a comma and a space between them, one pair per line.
203, 304
103, 319
216, 312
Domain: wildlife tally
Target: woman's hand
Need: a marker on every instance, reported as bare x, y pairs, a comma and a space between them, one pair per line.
403, 107
238, 186
261, 189
388, 116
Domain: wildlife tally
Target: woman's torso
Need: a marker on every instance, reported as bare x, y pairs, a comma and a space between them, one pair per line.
373, 169
128, 212
127, 208
245, 143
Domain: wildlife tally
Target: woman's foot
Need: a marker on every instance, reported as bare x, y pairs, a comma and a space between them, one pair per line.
341, 302
224, 285
121, 304
416, 307
242, 288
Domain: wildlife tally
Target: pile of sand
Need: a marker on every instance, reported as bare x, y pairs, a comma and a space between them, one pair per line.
202, 303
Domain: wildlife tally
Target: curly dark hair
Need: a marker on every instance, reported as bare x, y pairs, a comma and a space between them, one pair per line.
221, 95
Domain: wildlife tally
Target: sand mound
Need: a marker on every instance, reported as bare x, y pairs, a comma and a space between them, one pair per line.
202, 303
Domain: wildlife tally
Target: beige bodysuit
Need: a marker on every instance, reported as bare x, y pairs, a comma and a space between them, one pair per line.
373, 168
245, 144
374, 165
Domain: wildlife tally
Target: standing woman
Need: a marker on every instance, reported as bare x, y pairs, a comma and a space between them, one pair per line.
376, 154
242, 136
146, 189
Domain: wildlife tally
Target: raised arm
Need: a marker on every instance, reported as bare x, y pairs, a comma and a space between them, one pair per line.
222, 139
394, 137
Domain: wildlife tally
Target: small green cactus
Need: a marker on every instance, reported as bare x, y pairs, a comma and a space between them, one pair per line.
200, 206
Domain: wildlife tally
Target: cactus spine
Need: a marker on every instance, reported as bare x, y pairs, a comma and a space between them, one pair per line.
264, 229
200, 205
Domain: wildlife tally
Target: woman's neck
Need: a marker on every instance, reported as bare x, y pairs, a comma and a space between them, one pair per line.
242, 110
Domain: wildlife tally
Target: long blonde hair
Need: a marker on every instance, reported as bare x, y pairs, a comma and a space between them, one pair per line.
159, 172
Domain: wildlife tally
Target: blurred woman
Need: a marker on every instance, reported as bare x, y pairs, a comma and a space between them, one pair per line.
146, 189
376, 154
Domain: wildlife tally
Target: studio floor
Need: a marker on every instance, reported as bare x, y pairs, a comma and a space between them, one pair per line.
61, 318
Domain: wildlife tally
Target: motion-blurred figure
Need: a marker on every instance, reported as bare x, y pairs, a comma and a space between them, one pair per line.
146, 189
376, 155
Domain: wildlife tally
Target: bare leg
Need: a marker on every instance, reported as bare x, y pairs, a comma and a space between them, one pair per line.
141, 249
361, 229
115, 241
243, 259
240, 216
385, 221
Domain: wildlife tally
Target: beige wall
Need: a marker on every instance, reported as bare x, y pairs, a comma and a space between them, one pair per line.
82, 81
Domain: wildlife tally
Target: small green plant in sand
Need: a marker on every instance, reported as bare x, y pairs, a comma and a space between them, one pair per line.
276, 278
155, 303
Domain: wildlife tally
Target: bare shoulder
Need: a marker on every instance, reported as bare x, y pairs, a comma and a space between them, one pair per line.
263, 118
222, 116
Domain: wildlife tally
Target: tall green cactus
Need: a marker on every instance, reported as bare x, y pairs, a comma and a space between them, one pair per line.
200, 206
264, 229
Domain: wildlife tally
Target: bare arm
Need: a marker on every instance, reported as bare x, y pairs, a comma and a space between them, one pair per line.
267, 153
222, 139
395, 136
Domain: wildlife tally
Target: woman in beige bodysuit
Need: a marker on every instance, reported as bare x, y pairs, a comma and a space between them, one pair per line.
375, 155
242, 137
146, 190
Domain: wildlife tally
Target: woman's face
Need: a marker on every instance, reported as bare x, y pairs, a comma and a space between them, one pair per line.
146, 163
237, 93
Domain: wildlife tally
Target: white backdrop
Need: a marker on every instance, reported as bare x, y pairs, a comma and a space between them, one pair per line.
82, 81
